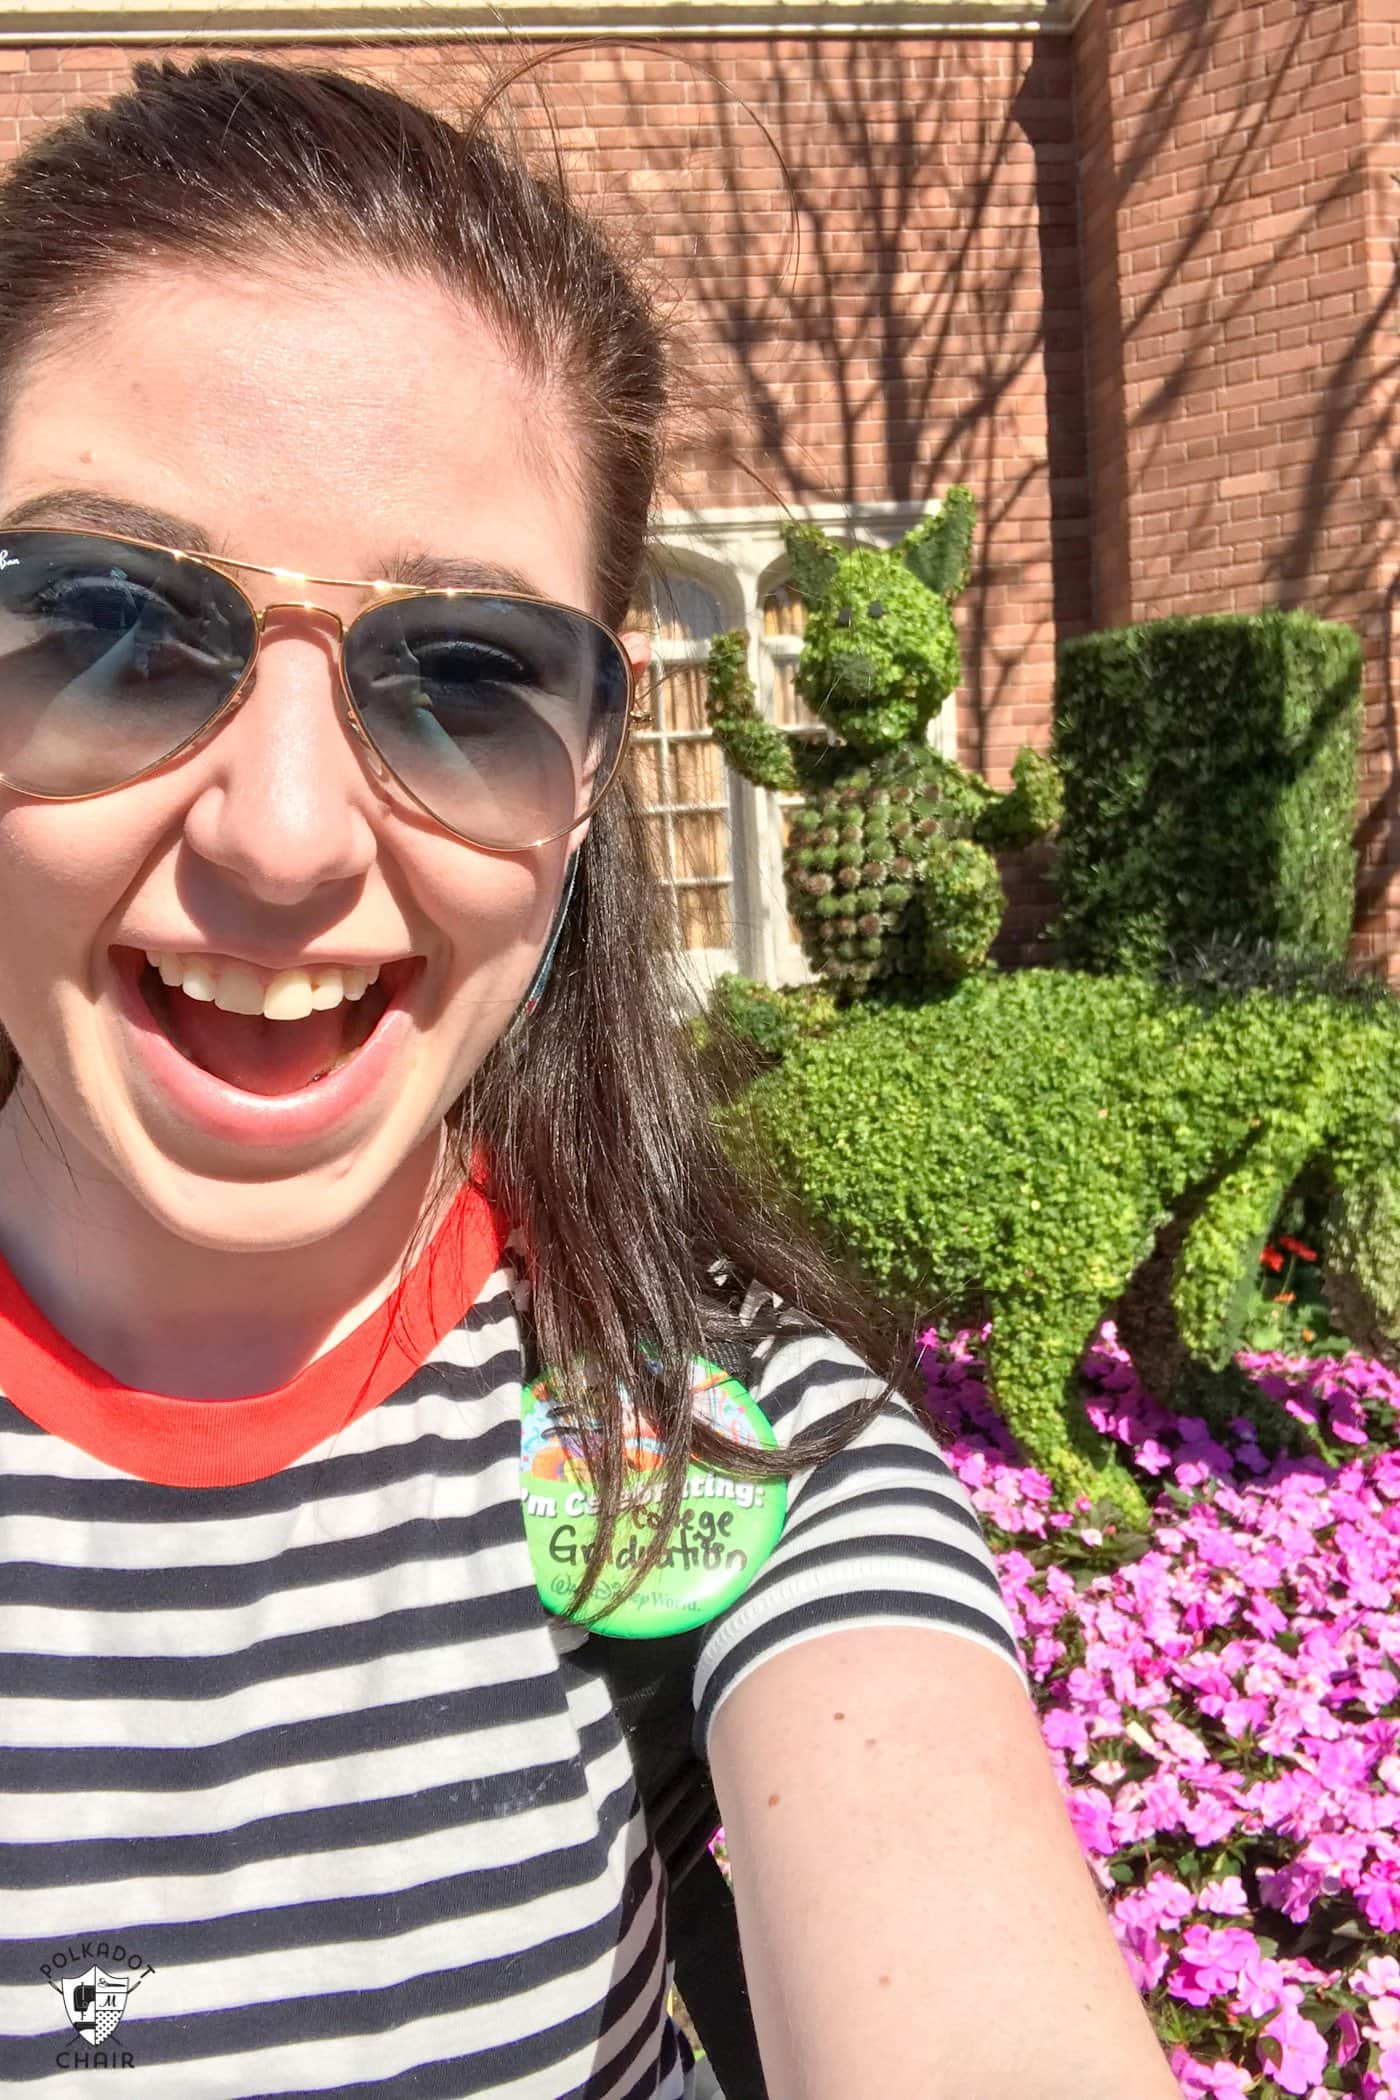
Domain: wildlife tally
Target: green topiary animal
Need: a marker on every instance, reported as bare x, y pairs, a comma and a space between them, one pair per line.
889, 876
1362, 1281
1016, 1146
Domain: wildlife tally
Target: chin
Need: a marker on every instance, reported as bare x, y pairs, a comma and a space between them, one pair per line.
270, 1212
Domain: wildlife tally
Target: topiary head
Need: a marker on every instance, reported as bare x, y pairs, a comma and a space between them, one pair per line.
880, 654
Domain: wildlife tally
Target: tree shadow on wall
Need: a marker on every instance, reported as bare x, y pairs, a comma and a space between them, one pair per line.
882, 296
955, 275
1226, 300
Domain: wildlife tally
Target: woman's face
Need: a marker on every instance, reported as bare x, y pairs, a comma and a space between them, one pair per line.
337, 427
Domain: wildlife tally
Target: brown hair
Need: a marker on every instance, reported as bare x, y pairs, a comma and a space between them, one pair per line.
592, 1118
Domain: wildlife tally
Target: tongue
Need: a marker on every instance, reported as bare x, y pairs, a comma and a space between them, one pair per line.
260, 1057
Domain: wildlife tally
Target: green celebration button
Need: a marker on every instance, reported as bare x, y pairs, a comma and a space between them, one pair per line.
725, 1531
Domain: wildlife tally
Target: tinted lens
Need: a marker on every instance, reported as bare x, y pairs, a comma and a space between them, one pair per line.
111, 657
505, 718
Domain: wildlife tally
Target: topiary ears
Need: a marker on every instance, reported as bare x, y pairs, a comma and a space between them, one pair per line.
939, 551
813, 559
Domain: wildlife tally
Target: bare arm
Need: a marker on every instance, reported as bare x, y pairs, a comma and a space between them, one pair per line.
917, 1918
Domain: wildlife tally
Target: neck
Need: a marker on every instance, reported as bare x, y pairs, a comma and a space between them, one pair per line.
164, 1315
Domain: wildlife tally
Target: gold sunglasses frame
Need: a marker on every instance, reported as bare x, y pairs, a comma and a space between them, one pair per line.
384, 593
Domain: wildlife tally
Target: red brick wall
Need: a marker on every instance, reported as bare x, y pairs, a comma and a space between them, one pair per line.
1253, 228
1138, 288
1107, 460
1379, 47
923, 328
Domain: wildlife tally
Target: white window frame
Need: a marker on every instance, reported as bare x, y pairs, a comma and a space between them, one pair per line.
739, 556
699, 966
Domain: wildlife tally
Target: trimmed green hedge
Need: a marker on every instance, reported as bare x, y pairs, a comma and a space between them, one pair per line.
1014, 1147
760, 1018
1210, 779
1363, 1265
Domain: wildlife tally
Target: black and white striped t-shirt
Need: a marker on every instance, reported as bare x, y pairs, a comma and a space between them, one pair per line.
291, 1754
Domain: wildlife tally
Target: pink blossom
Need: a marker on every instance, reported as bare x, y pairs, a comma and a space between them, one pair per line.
1383, 2028
1091, 1812
1303, 2052
1217, 2081
1212, 1958
1226, 1898
1377, 1891
1243, 1715
1258, 1626
1064, 1729
1263, 1984
1346, 1422
1348, 2036
1377, 1978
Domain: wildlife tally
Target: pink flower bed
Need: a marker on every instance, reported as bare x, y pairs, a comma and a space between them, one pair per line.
1221, 1699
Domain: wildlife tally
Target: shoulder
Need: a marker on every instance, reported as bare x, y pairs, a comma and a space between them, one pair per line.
879, 1530
804, 1376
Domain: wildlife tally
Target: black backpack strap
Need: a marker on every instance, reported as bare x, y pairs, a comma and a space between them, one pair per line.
710, 1976
650, 1683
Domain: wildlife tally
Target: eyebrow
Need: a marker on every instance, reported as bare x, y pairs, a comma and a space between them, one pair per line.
107, 514
441, 572
79, 507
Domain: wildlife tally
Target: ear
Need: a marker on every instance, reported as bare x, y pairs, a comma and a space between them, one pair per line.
939, 551
636, 647
813, 558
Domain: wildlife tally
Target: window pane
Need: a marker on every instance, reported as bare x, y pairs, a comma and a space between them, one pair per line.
676, 608
788, 710
701, 845
677, 763
683, 686
697, 773
647, 758
704, 918
784, 624
784, 612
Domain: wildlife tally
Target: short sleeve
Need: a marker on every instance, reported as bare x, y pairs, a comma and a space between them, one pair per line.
882, 1534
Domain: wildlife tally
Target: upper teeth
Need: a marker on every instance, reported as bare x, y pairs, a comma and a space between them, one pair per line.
289, 995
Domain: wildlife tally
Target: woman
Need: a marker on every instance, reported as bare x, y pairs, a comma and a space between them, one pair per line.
306, 1167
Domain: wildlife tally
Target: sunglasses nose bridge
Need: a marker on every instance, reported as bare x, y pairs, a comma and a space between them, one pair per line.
359, 735
300, 607
349, 713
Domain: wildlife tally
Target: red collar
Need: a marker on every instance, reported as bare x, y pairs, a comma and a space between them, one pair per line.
223, 1443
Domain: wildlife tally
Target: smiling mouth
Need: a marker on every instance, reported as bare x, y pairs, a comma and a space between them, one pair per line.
259, 1055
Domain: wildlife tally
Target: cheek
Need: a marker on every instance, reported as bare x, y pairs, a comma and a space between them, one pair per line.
62, 868
67, 872
494, 915
56, 880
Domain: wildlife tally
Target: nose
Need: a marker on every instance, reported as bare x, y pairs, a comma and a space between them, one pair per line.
285, 806
853, 672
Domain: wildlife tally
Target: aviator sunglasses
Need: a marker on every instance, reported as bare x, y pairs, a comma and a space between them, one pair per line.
503, 718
